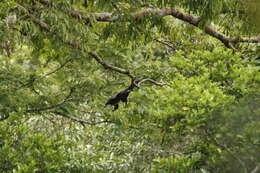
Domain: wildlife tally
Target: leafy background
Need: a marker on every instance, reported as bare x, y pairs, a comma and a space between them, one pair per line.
52, 92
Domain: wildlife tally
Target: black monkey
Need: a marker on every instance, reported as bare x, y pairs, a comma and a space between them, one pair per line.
121, 96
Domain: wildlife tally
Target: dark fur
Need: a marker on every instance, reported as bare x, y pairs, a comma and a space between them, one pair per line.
121, 96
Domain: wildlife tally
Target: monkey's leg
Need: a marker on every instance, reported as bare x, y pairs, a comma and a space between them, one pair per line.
116, 106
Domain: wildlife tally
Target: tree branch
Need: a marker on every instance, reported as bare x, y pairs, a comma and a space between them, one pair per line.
34, 19
166, 44
57, 69
52, 106
151, 81
177, 13
195, 21
47, 74
81, 121
107, 66
134, 83
93, 54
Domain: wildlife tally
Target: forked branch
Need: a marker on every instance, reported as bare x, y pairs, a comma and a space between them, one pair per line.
121, 96
177, 13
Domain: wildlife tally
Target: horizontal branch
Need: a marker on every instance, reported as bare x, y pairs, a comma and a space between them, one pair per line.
93, 54
81, 121
195, 21
177, 13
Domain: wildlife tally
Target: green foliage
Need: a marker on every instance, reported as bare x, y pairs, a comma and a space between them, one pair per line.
24, 151
52, 93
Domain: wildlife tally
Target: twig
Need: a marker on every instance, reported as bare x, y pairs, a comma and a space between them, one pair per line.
52, 106
165, 43
48, 74
57, 69
81, 121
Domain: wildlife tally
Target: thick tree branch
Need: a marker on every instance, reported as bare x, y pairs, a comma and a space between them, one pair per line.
74, 45
195, 21
177, 13
126, 92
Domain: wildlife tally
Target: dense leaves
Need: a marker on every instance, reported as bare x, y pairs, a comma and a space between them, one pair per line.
192, 68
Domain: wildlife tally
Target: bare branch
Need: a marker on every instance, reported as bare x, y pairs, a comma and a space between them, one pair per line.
151, 81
